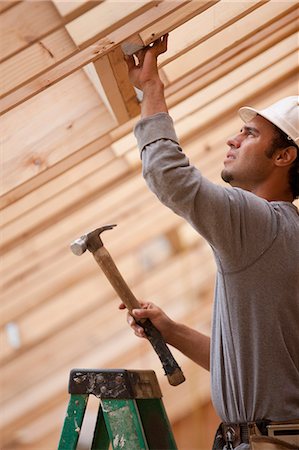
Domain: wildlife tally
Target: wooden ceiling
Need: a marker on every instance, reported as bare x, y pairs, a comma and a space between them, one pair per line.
70, 164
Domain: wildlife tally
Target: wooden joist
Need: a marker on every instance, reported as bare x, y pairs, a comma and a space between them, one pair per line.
112, 74
231, 58
46, 78
225, 39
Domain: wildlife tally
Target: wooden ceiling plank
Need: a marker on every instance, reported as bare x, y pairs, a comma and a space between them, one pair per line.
98, 49
46, 52
51, 188
70, 10
226, 62
105, 17
34, 61
204, 26
35, 138
80, 193
207, 22
16, 43
57, 170
240, 75
174, 20
26, 23
243, 28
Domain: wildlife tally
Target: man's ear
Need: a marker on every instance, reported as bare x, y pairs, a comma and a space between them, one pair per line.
285, 156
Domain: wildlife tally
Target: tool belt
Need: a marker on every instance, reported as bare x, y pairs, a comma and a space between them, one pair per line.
261, 435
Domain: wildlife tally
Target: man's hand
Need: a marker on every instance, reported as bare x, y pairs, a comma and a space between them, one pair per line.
144, 75
150, 311
193, 344
144, 72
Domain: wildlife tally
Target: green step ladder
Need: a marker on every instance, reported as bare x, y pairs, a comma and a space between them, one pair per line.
131, 414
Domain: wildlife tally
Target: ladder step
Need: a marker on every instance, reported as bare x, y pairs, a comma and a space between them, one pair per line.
131, 413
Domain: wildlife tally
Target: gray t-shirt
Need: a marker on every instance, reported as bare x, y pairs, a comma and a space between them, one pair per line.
255, 330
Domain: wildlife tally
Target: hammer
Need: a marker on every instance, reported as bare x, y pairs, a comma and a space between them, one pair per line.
92, 242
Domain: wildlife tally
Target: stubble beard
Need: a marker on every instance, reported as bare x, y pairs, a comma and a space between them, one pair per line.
226, 176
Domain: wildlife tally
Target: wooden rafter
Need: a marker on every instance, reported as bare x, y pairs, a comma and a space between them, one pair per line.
80, 58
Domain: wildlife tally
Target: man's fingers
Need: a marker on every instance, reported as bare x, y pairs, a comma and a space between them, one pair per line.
138, 330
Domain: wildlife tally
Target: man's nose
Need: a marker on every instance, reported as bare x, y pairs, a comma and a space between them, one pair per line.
234, 142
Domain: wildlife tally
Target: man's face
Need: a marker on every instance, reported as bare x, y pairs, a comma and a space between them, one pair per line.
246, 164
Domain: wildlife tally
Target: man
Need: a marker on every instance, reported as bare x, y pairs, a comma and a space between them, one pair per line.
253, 230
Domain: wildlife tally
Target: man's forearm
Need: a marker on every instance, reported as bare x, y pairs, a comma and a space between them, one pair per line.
153, 99
193, 344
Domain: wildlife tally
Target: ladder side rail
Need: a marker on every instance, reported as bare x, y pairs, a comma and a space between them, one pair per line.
73, 422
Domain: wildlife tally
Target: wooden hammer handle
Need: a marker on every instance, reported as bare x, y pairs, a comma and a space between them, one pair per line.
105, 261
172, 370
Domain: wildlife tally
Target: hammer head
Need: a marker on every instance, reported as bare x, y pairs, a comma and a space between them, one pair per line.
90, 241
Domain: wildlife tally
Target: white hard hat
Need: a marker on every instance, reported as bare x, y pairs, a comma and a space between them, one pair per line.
284, 114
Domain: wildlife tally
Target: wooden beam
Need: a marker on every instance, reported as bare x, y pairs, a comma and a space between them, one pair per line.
81, 193
72, 9
68, 65
70, 121
205, 25
62, 181
233, 57
113, 76
35, 21
244, 28
26, 23
251, 68
52, 172
46, 52
106, 17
